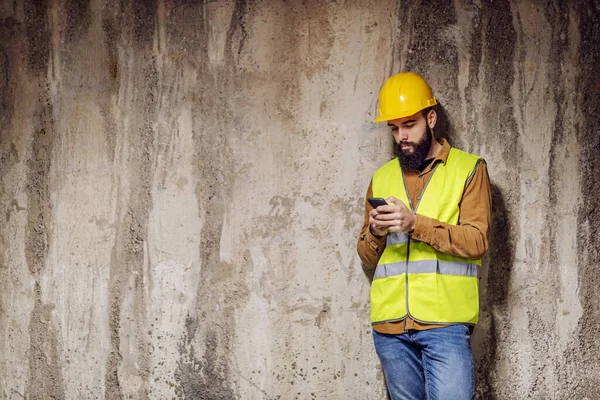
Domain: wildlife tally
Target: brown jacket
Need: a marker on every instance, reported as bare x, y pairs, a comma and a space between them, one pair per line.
468, 239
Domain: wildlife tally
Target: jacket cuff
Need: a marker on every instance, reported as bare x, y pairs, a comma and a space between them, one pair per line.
424, 229
374, 242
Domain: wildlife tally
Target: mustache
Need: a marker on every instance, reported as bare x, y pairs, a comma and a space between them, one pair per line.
405, 143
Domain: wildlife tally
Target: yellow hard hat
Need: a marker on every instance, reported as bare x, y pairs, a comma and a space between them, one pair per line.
403, 95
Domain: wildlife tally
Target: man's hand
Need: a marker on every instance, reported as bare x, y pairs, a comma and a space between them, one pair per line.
394, 217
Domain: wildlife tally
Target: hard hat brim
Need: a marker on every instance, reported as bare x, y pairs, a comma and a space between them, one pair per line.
407, 112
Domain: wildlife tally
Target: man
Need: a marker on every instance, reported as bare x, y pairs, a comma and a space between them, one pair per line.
426, 246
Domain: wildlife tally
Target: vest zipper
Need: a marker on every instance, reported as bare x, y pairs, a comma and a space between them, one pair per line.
414, 210
406, 277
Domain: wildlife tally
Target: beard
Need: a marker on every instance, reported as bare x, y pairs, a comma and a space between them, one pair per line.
412, 159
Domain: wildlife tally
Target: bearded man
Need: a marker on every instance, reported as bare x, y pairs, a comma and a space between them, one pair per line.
426, 246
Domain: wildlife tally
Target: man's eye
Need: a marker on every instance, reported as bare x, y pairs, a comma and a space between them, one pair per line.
409, 125
394, 128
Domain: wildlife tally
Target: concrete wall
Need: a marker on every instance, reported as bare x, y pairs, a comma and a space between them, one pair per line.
182, 182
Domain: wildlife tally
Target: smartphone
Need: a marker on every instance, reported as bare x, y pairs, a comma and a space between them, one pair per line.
377, 201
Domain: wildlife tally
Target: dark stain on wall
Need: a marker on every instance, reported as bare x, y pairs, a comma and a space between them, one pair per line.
144, 20
184, 41
557, 16
5, 93
476, 46
215, 282
38, 163
586, 346
112, 20
499, 260
205, 377
127, 258
45, 370
9, 155
38, 35
8, 57
429, 44
111, 377
36, 242
499, 48
237, 25
78, 19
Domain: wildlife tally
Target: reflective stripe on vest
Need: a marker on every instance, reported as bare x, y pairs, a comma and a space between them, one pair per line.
412, 278
427, 267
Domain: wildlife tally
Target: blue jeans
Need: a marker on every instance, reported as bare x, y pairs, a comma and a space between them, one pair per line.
434, 364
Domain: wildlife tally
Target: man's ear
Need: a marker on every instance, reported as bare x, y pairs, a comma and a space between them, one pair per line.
431, 119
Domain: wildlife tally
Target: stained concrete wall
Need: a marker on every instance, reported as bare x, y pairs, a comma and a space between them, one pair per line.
181, 184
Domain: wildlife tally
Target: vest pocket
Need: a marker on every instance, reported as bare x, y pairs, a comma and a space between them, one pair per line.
442, 291
388, 298
459, 298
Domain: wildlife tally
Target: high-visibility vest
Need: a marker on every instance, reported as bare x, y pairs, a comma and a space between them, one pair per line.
412, 277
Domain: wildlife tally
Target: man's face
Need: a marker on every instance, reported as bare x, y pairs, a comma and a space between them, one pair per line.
413, 140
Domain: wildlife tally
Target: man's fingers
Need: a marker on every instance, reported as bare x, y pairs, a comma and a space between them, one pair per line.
397, 204
378, 228
385, 209
380, 223
388, 216
381, 226
393, 208
392, 199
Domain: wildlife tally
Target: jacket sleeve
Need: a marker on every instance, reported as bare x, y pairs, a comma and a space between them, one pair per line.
369, 247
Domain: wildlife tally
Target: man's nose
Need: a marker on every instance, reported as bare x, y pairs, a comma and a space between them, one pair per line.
403, 135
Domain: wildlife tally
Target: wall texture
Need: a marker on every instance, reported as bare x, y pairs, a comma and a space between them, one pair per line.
182, 182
